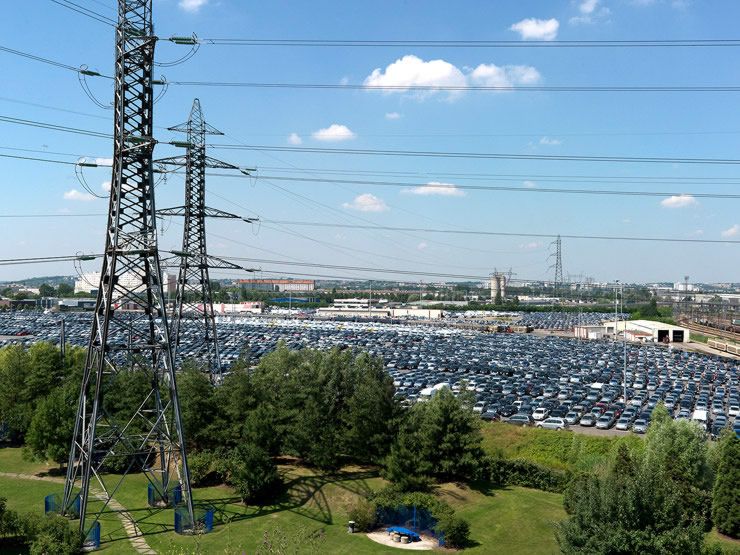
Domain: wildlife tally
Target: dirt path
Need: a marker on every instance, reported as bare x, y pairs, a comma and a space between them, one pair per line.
129, 524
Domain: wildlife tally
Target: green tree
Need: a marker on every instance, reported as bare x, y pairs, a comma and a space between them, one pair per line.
441, 437
52, 426
254, 474
726, 493
651, 502
405, 466
9, 521
16, 410
371, 411
46, 290
65, 290
198, 408
44, 372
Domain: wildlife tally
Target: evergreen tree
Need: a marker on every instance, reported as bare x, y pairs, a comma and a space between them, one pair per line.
726, 494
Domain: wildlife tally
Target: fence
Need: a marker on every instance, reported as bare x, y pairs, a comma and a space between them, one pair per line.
416, 519
203, 520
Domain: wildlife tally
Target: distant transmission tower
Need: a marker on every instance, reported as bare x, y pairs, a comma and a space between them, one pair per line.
129, 330
194, 300
558, 264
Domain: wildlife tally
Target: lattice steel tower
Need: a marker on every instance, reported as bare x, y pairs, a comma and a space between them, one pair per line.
558, 264
129, 329
194, 300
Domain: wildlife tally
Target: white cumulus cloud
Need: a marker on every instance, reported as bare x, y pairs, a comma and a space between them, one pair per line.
589, 11
334, 133
678, 201
435, 188
529, 184
733, 231
530, 246
412, 71
537, 29
549, 141
295, 139
393, 115
588, 6
74, 194
192, 6
491, 75
105, 185
366, 202
421, 246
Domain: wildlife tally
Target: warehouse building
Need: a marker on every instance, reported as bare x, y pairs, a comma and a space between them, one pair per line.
279, 284
648, 331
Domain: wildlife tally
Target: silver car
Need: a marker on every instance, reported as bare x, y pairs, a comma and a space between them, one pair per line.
553, 423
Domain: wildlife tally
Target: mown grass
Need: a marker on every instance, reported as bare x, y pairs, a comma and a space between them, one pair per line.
561, 450
512, 520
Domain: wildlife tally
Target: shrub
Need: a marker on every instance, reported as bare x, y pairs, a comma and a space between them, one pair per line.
365, 514
51, 535
254, 474
518, 472
456, 531
726, 494
203, 470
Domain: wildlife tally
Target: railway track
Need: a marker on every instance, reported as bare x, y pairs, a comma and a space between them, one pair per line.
712, 331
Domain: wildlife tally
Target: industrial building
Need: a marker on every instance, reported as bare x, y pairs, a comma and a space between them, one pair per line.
641, 331
279, 284
88, 283
376, 308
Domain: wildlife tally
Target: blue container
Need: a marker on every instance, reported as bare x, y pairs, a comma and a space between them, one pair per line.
92, 539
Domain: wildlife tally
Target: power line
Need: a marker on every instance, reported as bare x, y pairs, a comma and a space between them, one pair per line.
441, 187
502, 233
441, 231
650, 43
31, 158
562, 178
460, 88
402, 88
479, 155
54, 127
444, 188
85, 11
37, 58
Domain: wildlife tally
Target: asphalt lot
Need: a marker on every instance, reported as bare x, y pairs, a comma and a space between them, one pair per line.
529, 375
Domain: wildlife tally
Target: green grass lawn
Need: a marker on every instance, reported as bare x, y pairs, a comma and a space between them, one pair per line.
561, 450
511, 520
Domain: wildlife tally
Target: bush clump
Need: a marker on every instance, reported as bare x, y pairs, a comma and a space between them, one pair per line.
455, 530
519, 472
254, 475
365, 515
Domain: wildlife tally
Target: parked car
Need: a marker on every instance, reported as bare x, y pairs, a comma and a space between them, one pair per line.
553, 423
520, 420
588, 420
640, 426
540, 413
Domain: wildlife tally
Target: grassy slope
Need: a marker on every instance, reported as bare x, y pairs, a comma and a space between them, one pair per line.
562, 450
512, 520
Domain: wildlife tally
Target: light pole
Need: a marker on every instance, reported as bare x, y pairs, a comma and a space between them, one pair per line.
624, 344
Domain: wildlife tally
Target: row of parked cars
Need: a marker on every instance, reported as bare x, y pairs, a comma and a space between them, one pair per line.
540, 378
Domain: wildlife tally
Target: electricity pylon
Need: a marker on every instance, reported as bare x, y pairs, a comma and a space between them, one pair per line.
558, 265
129, 330
194, 300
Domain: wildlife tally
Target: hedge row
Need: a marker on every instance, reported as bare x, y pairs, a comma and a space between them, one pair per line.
519, 472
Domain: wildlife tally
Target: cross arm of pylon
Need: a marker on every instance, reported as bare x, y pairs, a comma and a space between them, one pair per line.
221, 264
174, 211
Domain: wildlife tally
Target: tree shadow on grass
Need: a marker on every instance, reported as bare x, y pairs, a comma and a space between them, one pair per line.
303, 495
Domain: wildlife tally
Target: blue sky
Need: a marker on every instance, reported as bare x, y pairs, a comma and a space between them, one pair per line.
685, 124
